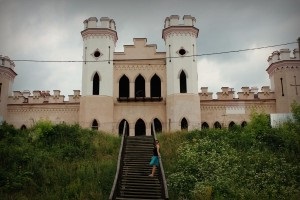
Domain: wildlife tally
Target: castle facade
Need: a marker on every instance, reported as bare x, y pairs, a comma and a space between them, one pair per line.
140, 86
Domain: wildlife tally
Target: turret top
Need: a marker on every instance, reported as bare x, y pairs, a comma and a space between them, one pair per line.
173, 20
105, 22
283, 54
6, 62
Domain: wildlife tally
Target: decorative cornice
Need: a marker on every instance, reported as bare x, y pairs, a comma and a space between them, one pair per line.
139, 67
283, 65
180, 30
7, 73
99, 32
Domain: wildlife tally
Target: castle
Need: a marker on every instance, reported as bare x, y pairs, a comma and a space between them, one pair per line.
140, 86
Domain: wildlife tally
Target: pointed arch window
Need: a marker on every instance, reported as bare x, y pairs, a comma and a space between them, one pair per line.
95, 125
96, 84
217, 125
183, 87
155, 86
244, 123
204, 125
184, 124
140, 128
124, 87
121, 126
139, 86
231, 125
157, 125
23, 127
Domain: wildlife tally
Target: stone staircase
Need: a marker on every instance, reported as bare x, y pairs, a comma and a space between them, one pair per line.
135, 183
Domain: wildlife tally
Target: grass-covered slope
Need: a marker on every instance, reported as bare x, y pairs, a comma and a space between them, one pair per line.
56, 162
255, 162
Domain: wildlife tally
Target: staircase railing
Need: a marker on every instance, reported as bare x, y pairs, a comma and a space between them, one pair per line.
115, 188
161, 172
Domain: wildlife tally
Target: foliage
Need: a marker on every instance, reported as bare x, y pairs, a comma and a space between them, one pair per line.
255, 162
56, 162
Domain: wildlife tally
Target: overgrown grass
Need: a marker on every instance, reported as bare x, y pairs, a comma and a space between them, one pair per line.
56, 162
256, 162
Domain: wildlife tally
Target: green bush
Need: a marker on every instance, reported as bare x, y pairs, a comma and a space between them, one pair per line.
256, 162
56, 162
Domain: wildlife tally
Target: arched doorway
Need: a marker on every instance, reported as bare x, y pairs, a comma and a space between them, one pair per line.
23, 127
231, 125
204, 125
244, 123
140, 128
121, 126
217, 125
184, 124
157, 125
95, 125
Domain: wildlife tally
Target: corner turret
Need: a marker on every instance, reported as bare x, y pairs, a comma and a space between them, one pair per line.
284, 74
7, 76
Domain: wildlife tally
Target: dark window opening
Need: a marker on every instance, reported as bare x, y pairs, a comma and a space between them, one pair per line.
121, 126
244, 123
184, 124
96, 54
155, 86
183, 82
140, 86
23, 127
204, 125
182, 52
124, 87
95, 125
217, 125
96, 84
140, 128
157, 125
231, 125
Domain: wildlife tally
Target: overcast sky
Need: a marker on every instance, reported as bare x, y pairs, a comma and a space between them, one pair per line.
50, 30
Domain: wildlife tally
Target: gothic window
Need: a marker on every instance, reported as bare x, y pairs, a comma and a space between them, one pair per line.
155, 86
0, 90
23, 127
231, 124
204, 125
96, 84
124, 87
244, 123
140, 86
140, 128
121, 126
184, 124
157, 125
217, 125
183, 88
95, 125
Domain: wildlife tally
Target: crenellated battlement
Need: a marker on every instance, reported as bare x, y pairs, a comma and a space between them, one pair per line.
105, 22
174, 20
247, 93
283, 54
6, 62
42, 97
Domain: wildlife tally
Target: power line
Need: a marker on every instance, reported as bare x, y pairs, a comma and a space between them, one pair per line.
199, 55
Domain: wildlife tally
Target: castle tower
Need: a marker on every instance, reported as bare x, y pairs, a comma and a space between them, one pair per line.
284, 73
182, 102
96, 105
7, 76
